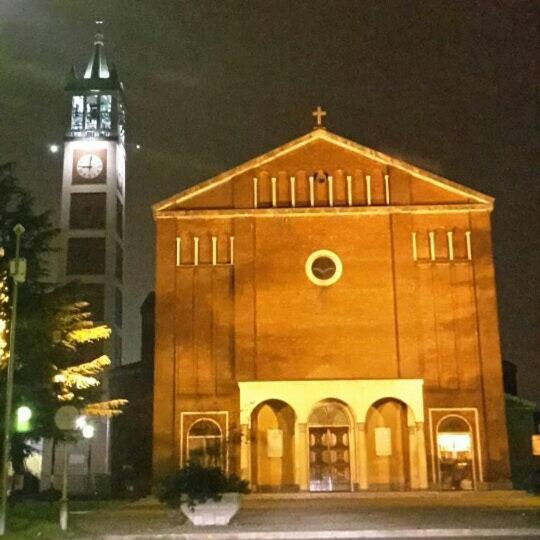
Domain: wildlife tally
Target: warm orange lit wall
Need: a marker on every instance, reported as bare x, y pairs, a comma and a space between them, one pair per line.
387, 317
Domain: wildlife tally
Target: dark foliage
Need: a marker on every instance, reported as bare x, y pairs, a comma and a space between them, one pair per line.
195, 484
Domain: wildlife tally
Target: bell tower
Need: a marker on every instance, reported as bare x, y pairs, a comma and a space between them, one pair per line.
93, 191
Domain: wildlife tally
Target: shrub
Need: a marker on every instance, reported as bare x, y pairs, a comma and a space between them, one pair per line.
196, 484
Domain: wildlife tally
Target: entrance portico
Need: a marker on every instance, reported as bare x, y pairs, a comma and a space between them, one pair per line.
365, 443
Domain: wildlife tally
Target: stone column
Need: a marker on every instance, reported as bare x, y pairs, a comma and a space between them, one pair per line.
361, 456
301, 453
413, 457
245, 453
422, 462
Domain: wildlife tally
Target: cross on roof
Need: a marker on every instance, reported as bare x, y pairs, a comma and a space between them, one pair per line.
318, 113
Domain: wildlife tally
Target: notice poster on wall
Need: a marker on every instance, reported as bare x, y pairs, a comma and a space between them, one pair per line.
274, 442
383, 441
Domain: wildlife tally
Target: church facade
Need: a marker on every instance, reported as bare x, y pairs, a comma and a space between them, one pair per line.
326, 320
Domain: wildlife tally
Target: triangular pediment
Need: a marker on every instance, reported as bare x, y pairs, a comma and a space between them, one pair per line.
321, 169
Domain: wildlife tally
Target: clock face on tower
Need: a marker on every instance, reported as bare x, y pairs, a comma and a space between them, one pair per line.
89, 166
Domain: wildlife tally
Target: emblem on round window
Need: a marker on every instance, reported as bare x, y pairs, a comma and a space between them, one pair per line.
323, 267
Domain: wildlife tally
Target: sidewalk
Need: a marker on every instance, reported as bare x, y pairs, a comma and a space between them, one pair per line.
350, 515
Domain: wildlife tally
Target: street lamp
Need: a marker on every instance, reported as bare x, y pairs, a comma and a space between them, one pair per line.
23, 416
17, 271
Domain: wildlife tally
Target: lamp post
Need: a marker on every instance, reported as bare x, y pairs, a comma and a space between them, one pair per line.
17, 271
65, 419
88, 432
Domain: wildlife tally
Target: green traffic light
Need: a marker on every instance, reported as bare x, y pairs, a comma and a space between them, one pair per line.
23, 417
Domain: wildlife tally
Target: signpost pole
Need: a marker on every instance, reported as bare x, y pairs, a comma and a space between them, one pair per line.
65, 420
18, 273
64, 499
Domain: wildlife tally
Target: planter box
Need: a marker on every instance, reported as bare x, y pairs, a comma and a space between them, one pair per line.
212, 512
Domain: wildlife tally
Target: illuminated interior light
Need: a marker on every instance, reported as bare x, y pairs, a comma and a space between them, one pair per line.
387, 188
454, 442
293, 191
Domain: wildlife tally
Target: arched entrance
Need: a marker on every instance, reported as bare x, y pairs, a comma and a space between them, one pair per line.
329, 435
455, 454
388, 445
272, 449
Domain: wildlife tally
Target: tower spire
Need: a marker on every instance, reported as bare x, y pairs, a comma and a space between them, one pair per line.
97, 67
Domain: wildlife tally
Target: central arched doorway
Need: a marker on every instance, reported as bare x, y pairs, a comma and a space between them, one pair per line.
272, 449
329, 432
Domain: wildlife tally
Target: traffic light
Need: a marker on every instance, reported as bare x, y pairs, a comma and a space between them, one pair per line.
23, 416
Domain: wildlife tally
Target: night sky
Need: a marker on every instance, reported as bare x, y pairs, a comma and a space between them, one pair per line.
445, 85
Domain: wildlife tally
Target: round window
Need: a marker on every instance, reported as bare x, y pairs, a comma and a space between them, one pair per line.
323, 267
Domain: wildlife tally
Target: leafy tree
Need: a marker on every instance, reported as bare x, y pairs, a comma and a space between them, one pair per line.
58, 359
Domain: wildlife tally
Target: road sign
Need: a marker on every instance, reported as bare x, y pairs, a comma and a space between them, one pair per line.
66, 417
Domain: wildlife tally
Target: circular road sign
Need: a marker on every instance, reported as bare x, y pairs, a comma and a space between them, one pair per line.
66, 417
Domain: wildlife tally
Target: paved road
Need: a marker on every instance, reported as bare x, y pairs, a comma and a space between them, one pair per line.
262, 515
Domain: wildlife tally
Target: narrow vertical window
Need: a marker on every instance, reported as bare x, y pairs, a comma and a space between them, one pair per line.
178, 251
330, 191
349, 190
118, 315
450, 240
119, 263
387, 189
214, 250
255, 192
469, 246
77, 110
105, 112
293, 191
119, 218
432, 245
91, 113
311, 191
196, 250
368, 190
231, 250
